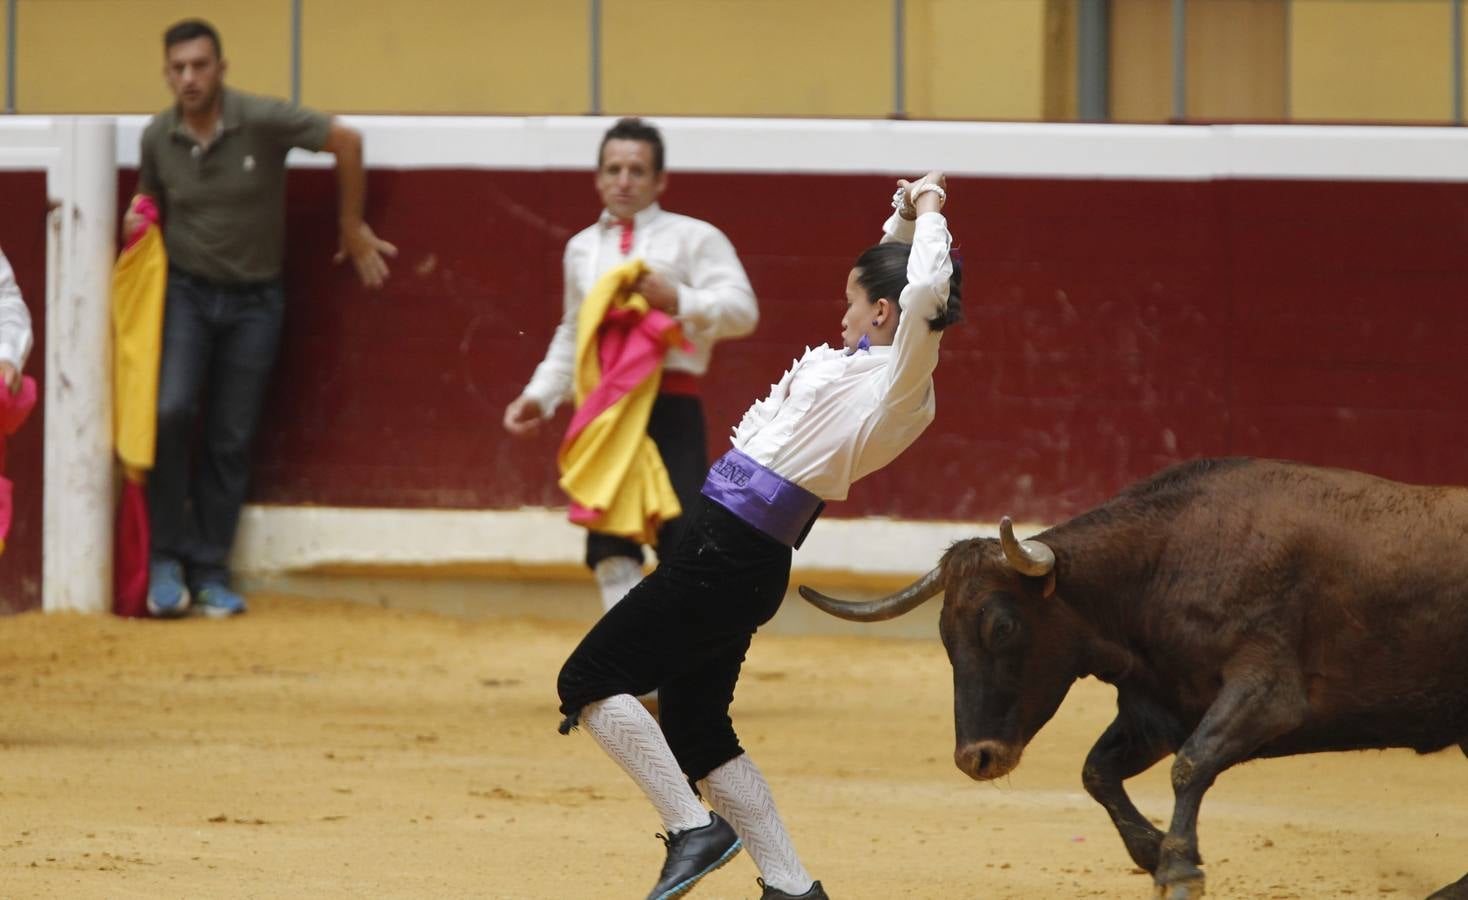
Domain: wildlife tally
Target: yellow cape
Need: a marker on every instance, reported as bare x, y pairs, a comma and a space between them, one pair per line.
139, 280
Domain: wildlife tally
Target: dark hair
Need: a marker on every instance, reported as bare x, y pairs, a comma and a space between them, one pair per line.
188, 30
883, 274
632, 128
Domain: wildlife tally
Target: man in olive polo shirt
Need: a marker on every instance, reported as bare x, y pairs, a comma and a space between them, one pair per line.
214, 163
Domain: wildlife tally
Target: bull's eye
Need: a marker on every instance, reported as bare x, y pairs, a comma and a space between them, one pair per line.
1001, 632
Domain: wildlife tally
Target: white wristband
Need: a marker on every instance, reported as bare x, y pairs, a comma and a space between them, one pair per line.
926, 187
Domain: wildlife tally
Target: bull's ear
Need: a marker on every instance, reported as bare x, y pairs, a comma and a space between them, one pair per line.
1049, 584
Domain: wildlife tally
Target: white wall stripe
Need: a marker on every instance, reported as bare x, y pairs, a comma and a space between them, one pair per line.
275, 539
1149, 152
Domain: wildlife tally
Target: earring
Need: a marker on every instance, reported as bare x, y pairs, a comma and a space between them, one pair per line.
876, 322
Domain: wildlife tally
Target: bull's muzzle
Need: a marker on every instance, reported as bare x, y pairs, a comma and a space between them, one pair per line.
987, 760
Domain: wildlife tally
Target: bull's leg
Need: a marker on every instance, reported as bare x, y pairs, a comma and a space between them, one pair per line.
1119, 754
1250, 709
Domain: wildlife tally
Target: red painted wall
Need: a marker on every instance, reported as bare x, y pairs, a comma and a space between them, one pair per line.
23, 237
1114, 327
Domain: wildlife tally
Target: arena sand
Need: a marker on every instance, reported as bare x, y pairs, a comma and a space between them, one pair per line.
328, 749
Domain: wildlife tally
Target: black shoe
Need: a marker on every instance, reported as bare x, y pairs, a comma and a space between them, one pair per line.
692, 854
816, 892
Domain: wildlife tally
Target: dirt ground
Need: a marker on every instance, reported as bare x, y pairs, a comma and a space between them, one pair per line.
328, 749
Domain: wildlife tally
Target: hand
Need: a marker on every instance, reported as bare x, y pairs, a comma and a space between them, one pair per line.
366, 251
660, 292
913, 208
132, 222
902, 200
523, 417
11, 375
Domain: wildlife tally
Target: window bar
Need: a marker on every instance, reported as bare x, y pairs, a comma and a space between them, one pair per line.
1179, 60
899, 59
594, 13
296, 51
1093, 63
10, 55
1457, 14
1289, 81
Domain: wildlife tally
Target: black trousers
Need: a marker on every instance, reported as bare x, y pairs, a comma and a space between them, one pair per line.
219, 343
676, 427
684, 631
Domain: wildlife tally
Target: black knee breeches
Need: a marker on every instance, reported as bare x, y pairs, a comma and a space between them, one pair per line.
684, 631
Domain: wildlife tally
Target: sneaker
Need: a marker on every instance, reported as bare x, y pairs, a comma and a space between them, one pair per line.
692, 854
220, 602
816, 892
168, 598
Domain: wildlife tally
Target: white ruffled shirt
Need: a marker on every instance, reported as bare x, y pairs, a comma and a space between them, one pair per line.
715, 300
15, 319
835, 416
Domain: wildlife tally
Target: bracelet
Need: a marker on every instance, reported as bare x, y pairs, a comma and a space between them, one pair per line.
927, 187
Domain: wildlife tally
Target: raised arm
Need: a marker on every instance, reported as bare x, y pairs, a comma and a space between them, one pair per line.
929, 269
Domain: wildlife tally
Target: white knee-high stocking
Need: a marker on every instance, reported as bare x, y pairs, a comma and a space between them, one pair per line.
738, 792
616, 575
630, 735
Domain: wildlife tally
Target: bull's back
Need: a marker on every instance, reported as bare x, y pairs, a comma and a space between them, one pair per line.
1372, 578
1358, 583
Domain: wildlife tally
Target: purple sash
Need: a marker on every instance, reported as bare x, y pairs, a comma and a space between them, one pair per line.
779, 508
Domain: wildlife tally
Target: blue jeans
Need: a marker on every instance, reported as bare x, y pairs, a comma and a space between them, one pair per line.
220, 341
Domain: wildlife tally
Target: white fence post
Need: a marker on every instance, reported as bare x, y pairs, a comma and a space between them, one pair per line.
76, 568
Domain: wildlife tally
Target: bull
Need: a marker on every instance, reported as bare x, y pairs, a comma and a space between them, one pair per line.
1243, 609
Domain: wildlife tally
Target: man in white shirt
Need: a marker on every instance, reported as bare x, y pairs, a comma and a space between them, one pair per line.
15, 328
695, 277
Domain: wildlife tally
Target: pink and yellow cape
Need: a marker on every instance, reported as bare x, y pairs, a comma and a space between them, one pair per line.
610, 468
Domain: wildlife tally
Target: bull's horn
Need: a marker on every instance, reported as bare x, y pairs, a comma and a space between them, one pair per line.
889, 607
1025, 557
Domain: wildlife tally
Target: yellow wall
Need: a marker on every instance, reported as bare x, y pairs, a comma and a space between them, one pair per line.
1062, 60
511, 57
1234, 54
106, 56
1236, 59
1358, 60
1141, 60
975, 60
1371, 59
752, 57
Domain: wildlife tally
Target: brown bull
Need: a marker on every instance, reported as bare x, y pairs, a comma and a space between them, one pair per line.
1242, 608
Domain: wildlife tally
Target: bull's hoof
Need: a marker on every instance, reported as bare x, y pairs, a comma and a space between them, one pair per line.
1187, 889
